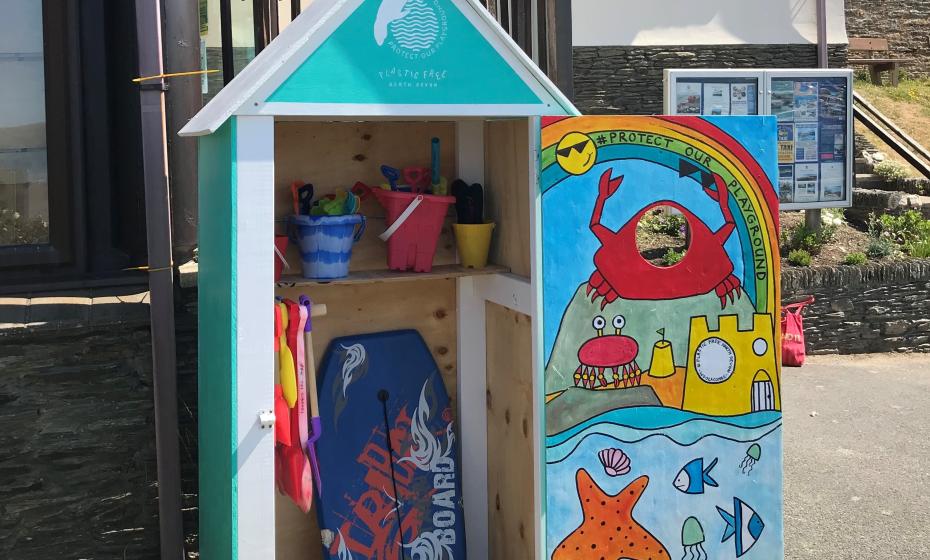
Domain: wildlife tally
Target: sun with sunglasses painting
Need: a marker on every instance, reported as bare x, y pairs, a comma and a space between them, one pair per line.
576, 153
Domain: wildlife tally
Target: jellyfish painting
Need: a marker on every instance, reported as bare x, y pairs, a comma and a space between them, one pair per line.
614, 461
753, 454
692, 538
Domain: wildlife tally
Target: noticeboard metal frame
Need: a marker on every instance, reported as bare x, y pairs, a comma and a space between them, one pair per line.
671, 77
796, 74
670, 81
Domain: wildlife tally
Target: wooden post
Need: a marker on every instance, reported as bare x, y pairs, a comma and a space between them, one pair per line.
812, 217
161, 279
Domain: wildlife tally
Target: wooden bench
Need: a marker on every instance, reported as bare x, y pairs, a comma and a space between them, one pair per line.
876, 47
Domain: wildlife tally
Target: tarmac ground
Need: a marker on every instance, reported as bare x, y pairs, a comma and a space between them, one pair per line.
857, 457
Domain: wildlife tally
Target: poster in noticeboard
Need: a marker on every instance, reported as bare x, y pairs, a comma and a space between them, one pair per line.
816, 109
717, 97
813, 110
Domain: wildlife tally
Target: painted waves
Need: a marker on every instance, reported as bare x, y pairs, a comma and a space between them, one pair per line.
632, 425
418, 29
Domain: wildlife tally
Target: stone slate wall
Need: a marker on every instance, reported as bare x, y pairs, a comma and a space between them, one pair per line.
872, 308
628, 80
905, 23
77, 448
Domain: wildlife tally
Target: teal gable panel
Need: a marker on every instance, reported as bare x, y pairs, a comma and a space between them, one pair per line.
406, 52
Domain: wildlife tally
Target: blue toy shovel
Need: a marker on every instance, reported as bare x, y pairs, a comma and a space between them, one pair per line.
316, 427
391, 174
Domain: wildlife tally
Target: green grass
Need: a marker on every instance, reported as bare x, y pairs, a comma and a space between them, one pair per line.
915, 91
907, 105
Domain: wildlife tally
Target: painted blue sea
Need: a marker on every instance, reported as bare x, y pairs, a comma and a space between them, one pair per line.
659, 442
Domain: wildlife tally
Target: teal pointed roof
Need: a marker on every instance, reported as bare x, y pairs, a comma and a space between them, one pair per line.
383, 58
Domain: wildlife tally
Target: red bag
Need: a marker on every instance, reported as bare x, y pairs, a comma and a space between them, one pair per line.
792, 333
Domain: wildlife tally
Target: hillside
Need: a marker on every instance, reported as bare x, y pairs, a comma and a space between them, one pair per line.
908, 105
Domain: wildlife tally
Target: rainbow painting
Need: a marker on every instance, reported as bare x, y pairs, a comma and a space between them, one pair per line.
660, 288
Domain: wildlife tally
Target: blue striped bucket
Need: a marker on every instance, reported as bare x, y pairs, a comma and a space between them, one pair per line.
326, 244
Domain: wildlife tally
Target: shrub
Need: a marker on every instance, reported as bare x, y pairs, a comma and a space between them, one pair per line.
832, 217
799, 257
891, 171
16, 229
666, 223
855, 258
672, 257
920, 249
879, 248
800, 237
904, 229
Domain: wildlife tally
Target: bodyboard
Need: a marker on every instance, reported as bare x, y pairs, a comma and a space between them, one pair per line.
387, 499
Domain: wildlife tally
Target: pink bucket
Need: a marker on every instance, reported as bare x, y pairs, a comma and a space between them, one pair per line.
413, 225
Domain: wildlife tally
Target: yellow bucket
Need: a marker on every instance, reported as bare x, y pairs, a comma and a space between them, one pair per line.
473, 242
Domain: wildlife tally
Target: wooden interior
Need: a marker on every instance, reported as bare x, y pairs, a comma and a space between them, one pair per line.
334, 155
427, 306
506, 167
511, 484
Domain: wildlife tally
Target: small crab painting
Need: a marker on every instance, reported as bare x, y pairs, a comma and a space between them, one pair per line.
615, 352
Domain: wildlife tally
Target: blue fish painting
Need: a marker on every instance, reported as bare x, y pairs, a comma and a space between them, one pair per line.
693, 477
744, 523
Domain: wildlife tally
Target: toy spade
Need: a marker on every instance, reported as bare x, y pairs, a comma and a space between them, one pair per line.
417, 178
469, 202
316, 427
288, 375
293, 474
301, 197
282, 430
391, 174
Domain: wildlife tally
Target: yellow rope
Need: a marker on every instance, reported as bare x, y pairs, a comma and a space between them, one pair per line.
173, 75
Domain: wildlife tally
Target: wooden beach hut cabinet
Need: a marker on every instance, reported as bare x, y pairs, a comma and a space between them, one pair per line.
326, 103
602, 402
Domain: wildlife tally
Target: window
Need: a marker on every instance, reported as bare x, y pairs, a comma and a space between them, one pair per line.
24, 218
71, 193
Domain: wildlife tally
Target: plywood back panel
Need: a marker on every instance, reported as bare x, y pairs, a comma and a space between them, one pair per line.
334, 155
428, 306
511, 484
506, 160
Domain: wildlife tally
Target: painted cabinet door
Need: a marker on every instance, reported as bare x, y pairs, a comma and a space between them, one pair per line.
660, 286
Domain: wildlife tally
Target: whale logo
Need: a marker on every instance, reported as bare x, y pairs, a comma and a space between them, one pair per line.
389, 11
416, 27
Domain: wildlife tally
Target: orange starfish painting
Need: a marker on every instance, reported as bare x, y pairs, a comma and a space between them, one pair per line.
608, 531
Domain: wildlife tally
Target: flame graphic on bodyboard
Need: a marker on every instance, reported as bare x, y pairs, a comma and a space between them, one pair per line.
354, 367
427, 452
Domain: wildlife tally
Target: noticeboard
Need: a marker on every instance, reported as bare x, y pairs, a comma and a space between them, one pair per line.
814, 112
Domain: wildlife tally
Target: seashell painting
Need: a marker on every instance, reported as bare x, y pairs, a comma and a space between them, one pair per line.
615, 461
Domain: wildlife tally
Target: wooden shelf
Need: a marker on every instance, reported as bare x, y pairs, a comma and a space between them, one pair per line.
379, 276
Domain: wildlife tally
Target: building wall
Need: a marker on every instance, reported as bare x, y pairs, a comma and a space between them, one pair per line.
905, 23
710, 22
628, 80
873, 308
77, 449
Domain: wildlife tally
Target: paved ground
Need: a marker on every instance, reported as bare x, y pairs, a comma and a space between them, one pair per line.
857, 458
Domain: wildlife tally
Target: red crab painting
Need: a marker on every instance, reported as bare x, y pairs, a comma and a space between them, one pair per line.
622, 272
615, 352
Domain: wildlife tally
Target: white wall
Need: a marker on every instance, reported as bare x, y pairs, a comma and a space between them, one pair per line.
702, 22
